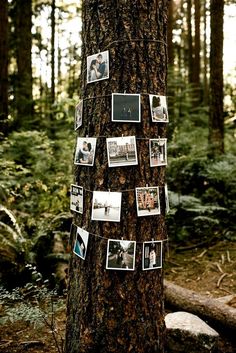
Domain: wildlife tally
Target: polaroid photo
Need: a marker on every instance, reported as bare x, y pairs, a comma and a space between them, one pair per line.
120, 255
85, 151
78, 115
98, 67
158, 109
152, 255
167, 199
106, 206
158, 152
126, 108
81, 242
76, 198
122, 151
147, 201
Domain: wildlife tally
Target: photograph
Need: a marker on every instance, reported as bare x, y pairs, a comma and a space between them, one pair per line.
120, 255
76, 198
98, 67
152, 255
106, 206
147, 200
81, 241
85, 151
158, 108
78, 114
126, 107
122, 151
158, 152
167, 199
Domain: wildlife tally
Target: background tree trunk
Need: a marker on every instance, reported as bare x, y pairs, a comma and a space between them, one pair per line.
116, 311
170, 34
53, 51
24, 100
216, 118
196, 66
3, 66
190, 41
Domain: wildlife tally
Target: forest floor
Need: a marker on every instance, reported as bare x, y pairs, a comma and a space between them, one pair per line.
198, 269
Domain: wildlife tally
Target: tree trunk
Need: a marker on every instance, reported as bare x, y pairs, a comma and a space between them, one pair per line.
24, 100
190, 41
196, 66
216, 118
219, 314
110, 310
3, 66
53, 51
205, 59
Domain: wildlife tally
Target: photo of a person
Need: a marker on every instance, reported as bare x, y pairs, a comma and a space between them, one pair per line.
81, 241
152, 255
98, 67
147, 201
76, 198
158, 108
78, 115
158, 152
121, 255
106, 206
122, 151
85, 151
126, 107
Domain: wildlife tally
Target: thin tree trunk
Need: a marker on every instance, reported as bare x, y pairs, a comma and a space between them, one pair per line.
216, 118
196, 66
110, 310
205, 59
24, 99
190, 41
53, 51
3, 66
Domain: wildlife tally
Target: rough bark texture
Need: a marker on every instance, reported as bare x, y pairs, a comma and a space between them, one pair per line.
3, 65
218, 314
23, 24
119, 311
216, 118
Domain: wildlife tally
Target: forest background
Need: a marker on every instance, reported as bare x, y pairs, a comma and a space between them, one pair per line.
40, 86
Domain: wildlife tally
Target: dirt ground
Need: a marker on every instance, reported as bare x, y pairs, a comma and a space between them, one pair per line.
209, 271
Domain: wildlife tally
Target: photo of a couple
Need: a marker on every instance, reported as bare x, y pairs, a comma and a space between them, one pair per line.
85, 151
98, 67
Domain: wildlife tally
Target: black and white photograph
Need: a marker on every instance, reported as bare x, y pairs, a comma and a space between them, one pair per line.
98, 67
78, 114
106, 206
147, 200
122, 151
158, 152
85, 151
126, 107
120, 255
152, 255
167, 199
76, 198
158, 107
81, 241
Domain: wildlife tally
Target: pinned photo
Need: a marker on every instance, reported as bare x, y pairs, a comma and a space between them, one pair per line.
147, 200
85, 151
106, 206
120, 255
158, 152
122, 151
78, 115
152, 255
167, 199
158, 108
76, 198
126, 107
81, 241
98, 67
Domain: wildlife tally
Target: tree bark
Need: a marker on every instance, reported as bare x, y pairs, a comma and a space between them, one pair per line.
108, 310
190, 41
220, 315
3, 66
53, 51
205, 60
216, 118
24, 99
197, 48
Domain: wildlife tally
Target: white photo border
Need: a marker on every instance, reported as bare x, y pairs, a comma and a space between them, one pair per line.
158, 212
120, 268
86, 139
86, 234
161, 254
82, 189
110, 195
166, 107
108, 64
150, 151
112, 165
77, 126
125, 94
